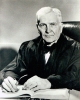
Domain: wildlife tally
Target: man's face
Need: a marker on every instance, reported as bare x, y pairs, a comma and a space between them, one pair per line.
49, 27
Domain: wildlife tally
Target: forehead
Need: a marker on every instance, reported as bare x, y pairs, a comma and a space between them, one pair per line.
49, 18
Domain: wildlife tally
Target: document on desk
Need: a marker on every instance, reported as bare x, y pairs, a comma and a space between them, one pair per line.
60, 94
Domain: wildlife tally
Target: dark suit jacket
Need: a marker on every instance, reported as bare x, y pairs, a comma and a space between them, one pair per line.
62, 68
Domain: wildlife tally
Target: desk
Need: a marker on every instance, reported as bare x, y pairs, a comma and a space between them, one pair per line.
74, 95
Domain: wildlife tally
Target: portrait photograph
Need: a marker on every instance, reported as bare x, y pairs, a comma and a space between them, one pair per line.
40, 47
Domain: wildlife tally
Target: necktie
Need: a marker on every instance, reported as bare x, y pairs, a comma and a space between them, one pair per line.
47, 51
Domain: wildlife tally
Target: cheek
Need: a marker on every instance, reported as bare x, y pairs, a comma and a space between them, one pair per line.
59, 28
57, 33
41, 31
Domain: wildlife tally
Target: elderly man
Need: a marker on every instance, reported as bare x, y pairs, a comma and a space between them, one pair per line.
49, 61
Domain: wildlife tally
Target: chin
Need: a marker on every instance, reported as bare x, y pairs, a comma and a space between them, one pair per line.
49, 41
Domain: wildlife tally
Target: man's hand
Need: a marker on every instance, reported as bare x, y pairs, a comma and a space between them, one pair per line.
9, 84
36, 83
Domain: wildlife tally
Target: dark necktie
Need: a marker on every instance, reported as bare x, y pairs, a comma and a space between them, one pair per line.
47, 49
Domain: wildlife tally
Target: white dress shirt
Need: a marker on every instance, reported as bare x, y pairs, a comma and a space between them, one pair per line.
47, 55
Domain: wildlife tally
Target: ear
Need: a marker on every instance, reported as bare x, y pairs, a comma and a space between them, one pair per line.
38, 29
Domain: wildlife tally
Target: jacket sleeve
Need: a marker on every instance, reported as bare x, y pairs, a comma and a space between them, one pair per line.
71, 78
17, 67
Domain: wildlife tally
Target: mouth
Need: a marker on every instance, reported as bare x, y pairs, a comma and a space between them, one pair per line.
48, 36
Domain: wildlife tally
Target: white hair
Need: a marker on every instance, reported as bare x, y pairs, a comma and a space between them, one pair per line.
46, 10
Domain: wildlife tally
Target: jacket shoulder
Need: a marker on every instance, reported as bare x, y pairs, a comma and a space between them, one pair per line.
68, 44
74, 43
30, 43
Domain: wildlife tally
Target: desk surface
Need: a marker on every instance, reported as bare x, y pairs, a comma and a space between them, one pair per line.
74, 95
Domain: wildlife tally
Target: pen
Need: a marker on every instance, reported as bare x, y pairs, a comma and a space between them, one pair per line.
22, 79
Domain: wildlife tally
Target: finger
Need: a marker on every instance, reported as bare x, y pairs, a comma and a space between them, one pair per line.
6, 87
32, 86
30, 80
13, 83
8, 83
3, 90
35, 89
27, 84
25, 87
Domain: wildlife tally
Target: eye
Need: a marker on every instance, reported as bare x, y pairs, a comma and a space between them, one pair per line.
52, 24
42, 25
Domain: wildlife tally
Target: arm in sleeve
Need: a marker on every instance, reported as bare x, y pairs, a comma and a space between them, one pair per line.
71, 78
17, 67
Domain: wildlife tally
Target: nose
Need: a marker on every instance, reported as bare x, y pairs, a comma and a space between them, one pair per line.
48, 29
